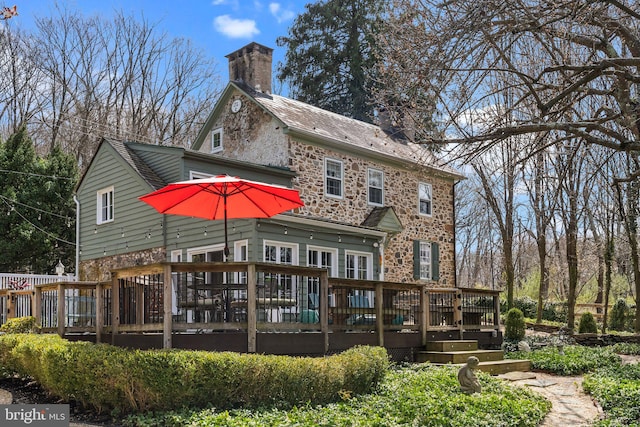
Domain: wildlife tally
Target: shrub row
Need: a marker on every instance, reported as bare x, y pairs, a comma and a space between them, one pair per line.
553, 312
109, 378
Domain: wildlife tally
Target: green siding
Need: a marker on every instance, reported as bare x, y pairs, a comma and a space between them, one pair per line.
234, 169
131, 216
165, 164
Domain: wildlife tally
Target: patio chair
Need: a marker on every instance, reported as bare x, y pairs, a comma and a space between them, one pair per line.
314, 301
360, 301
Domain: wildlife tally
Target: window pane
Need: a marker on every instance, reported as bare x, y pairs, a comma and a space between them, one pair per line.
375, 195
425, 260
424, 191
334, 178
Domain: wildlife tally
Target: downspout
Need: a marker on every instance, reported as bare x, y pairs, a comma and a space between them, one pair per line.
77, 272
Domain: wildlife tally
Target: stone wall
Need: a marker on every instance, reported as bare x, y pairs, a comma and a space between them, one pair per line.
251, 135
400, 192
99, 269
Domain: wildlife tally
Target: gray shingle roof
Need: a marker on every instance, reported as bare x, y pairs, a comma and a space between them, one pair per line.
137, 164
313, 121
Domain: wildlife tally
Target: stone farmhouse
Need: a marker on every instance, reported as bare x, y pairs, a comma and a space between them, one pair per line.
377, 207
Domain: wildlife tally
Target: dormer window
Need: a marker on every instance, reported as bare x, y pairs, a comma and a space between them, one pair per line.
216, 140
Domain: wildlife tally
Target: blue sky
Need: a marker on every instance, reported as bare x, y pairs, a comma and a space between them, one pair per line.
218, 26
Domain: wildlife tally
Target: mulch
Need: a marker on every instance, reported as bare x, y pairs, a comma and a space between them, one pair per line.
29, 392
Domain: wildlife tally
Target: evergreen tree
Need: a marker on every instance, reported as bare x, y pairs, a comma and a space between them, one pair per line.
36, 207
331, 60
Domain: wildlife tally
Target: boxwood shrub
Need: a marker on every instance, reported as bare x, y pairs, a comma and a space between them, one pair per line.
109, 378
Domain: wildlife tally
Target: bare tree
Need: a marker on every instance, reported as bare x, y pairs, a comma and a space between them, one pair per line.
96, 77
569, 71
457, 48
19, 99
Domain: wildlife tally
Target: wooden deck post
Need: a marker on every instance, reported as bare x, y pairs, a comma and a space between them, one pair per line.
167, 324
36, 304
379, 314
457, 312
115, 307
99, 311
10, 305
251, 309
496, 311
324, 309
61, 298
424, 314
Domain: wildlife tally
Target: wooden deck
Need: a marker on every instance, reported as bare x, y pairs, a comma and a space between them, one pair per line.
257, 308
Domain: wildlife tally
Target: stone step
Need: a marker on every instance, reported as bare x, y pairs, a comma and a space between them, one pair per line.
458, 356
452, 345
497, 367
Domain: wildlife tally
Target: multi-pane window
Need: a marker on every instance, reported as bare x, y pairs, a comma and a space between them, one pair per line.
240, 253
322, 258
376, 186
216, 140
283, 285
425, 260
104, 212
359, 265
333, 177
425, 200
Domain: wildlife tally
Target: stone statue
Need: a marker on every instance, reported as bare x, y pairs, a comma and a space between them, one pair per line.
467, 378
524, 347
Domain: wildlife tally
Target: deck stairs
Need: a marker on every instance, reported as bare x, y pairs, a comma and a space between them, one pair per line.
456, 352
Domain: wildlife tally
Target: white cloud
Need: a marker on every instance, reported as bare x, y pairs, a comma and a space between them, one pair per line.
281, 14
235, 28
233, 3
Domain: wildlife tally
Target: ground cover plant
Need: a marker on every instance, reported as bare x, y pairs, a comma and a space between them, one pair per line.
422, 396
616, 387
617, 390
568, 360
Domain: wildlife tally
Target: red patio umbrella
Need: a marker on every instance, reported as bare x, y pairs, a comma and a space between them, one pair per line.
223, 197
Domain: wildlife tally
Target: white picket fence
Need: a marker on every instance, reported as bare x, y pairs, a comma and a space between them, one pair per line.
25, 282
28, 281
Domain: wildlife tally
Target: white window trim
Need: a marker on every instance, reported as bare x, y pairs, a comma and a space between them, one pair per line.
99, 205
369, 170
333, 251
237, 251
215, 132
368, 255
199, 175
334, 196
430, 262
431, 192
203, 249
294, 252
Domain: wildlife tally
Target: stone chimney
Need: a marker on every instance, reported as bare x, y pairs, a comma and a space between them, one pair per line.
252, 66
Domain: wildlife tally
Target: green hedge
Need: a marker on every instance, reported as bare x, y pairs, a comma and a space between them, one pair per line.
110, 378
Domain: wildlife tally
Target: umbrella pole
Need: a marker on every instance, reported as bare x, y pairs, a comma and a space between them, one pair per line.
226, 244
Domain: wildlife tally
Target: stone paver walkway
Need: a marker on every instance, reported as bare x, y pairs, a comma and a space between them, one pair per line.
571, 405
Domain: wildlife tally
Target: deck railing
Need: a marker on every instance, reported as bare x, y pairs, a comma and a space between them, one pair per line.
253, 298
